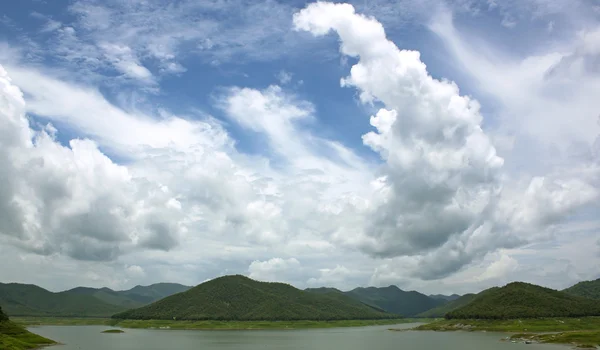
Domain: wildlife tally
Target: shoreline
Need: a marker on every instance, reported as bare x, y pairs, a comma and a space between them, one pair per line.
582, 332
32, 322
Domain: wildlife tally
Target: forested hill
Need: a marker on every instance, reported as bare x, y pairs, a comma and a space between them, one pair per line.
395, 300
524, 300
442, 310
134, 297
586, 289
241, 298
29, 300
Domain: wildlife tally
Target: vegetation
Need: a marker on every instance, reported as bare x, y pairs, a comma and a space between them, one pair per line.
586, 289
134, 297
170, 324
524, 300
15, 337
445, 297
113, 331
254, 325
442, 310
582, 339
395, 300
30, 300
524, 325
239, 298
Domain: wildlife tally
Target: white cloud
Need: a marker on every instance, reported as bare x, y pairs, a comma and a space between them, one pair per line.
442, 180
441, 206
273, 270
284, 77
123, 59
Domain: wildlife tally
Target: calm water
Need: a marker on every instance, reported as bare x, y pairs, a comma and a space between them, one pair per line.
364, 338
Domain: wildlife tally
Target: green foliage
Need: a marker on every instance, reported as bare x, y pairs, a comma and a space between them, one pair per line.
254, 325
132, 298
393, 299
586, 289
562, 324
238, 298
14, 337
524, 300
115, 331
442, 310
582, 339
29, 300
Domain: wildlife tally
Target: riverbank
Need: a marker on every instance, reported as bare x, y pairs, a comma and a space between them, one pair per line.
582, 332
15, 337
204, 325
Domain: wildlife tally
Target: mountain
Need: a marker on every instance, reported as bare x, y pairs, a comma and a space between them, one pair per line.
445, 297
134, 297
442, 310
241, 298
30, 300
154, 292
395, 300
524, 300
586, 289
14, 337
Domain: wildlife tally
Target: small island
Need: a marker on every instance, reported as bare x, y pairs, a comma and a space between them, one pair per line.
113, 331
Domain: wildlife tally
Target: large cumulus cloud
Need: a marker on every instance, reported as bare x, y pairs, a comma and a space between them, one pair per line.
441, 195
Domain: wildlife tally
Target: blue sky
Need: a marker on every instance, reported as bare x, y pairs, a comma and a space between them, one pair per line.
235, 137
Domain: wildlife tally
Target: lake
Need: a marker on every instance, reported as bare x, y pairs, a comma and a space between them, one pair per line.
360, 338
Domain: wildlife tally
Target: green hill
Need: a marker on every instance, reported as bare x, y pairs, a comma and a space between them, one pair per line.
30, 300
524, 300
586, 289
14, 337
442, 310
445, 297
241, 298
132, 298
394, 300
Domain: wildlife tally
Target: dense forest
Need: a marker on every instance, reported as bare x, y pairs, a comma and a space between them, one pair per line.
524, 300
241, 298
442, 310
395, 300
586, 289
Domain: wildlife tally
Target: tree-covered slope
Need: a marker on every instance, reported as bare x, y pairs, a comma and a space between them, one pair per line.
30, 300
394, 300
524, 300
14, 337
442, 310
586, 289
241, 298
132, 298
154, 292
445, 297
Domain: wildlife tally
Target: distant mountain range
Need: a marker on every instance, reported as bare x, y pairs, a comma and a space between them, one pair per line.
241, 298
30, 300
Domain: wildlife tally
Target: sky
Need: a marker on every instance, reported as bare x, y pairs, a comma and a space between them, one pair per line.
444, 146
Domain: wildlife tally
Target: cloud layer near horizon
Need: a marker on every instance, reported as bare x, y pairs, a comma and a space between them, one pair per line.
310, 210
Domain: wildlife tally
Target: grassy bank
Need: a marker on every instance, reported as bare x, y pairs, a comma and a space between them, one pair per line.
207, 325
581, 339
15, 337
583, 332
516, 326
